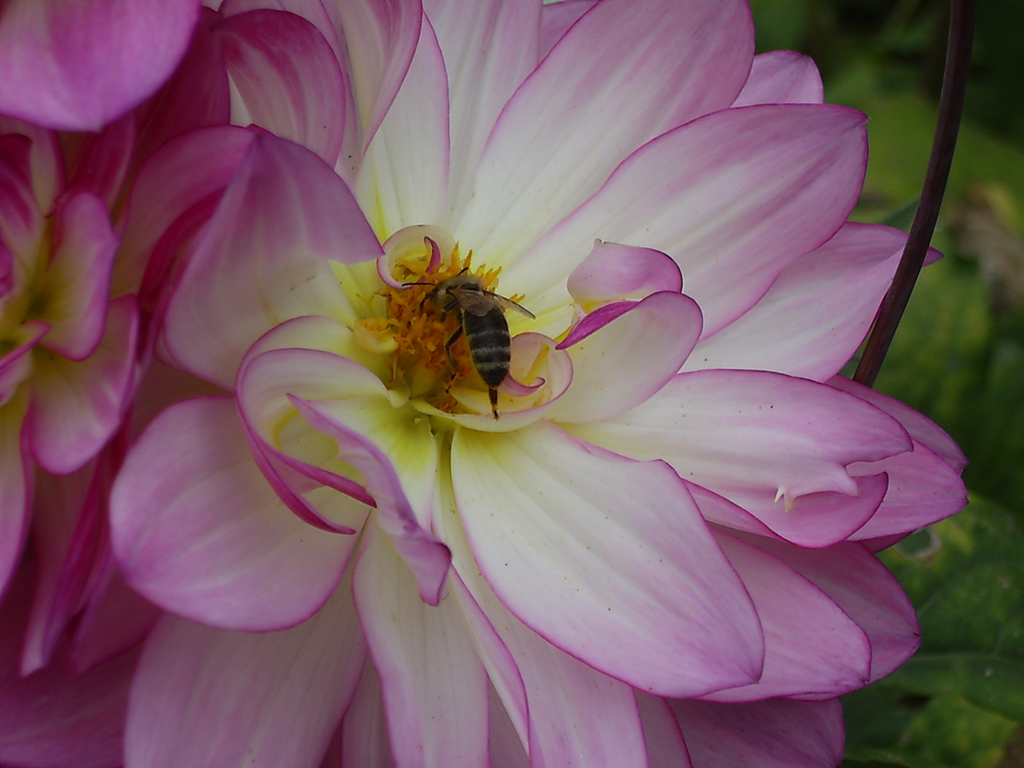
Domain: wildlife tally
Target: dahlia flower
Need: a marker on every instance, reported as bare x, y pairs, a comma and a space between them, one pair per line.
68, 350
647, 539
76, 65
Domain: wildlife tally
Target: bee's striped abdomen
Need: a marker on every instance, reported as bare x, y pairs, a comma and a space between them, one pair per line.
489, 344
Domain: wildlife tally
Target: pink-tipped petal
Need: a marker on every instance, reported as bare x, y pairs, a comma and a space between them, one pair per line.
53, 718
77, 406
381, 36
364, 731
782, 77
175, 193
197, 529
75, 286
288, 77
815, 315
778, 733
614, 272
555, 20
777, 446
664, 739
403, 179
613, 81
21, 219
663, 609
734, 197
423, 553
489, 49
619, 365
812, 647
263, 257
46, 159
862, 586
210, 697
15, 488
101, 162
75, 65
435, 688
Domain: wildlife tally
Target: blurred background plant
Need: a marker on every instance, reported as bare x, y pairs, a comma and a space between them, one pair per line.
958, 357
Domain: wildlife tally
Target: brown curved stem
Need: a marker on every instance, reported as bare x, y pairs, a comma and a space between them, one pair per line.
951, 103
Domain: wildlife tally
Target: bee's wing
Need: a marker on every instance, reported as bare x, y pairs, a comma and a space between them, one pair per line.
509, 304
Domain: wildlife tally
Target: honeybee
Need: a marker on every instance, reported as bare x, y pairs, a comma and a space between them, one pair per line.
482, 319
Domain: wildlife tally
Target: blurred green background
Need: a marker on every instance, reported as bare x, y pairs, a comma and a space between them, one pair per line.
958, 357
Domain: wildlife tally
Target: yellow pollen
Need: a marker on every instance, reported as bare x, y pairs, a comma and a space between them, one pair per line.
420, 329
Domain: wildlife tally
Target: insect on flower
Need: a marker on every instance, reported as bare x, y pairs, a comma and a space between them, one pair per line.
482, 319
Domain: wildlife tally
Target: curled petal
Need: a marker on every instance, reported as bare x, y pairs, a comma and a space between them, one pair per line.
777, 446
664, 610
621, 360
198, 530
288, 77
782, 77
778, 733
78, 278
76, 406
66, 61
263, 258
193, 679
614, 272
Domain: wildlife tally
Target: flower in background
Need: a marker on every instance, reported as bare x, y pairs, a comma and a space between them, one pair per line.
627, 550
76, 65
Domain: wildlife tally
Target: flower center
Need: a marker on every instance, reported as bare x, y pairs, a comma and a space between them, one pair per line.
444, 324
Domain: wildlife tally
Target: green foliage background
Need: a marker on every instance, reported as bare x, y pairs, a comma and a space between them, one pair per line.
958, 357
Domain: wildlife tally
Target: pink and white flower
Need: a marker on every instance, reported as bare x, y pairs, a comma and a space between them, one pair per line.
77, 65
666, 520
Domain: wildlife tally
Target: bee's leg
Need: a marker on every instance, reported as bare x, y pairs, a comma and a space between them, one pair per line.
493, 394
448, 351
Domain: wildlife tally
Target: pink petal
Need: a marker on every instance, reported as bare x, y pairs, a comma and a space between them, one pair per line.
570, 536
664, 739
77, 406
614, 272
422, 552
175, 193
556, 18
51, 718
101, 162
489, 49
435, 688
777, 446
381, 36
782, 77
197, 529
75, 65
811, 645
921, 428
506, 748
210, 697
621, 364
778, 733
364, 731
16, 473
815, 315
578, 717
263, 257
614, 81
288, 78
734, 197
46, 160
866, 591
403, 179
77, 279
21, 218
